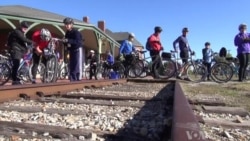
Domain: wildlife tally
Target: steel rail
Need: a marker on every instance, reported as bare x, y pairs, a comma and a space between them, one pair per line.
9, 93
185, 126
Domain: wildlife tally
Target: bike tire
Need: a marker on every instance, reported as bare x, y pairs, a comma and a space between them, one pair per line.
145, 70
196, 72
5, 73
119, 68
51, 70
164, 69
136, 69
221, 72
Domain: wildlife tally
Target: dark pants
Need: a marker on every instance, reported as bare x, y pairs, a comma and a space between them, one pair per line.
184, 56
35, 61
127, 62
92, 72
154, 55
16, 55
16, 63
208, 65
244, 60
74, 65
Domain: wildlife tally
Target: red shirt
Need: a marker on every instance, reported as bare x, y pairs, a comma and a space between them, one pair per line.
154, 41
36, 38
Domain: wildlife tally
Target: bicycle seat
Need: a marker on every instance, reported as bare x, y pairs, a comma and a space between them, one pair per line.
143, 51
172, 51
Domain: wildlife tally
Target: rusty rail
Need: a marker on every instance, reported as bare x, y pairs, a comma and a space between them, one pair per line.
185, 126
8, 93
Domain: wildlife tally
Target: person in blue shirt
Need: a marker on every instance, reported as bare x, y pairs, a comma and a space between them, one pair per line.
126, 49
110, 58
108, 63
207, 53
73, 42
184, 49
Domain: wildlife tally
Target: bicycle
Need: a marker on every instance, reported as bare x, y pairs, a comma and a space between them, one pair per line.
221, 70
149, 70
48, 71
6, 69
169, 67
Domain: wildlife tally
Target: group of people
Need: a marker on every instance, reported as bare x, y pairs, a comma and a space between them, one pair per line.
73, 41
17, 43
241, 41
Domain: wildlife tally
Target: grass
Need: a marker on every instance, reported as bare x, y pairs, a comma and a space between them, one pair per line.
233, 93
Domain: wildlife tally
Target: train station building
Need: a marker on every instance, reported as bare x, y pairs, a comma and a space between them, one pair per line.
97, 38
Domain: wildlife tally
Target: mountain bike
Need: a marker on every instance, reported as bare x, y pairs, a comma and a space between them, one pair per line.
221, 70
169, 66
6, 65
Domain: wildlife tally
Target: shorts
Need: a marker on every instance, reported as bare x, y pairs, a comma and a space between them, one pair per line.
184, 56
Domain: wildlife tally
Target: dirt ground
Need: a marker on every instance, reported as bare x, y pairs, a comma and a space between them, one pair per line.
232, 93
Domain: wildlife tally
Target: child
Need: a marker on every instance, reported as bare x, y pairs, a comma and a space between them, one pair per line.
207, 58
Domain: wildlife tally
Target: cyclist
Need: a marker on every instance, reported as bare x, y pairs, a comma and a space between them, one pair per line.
109, 60
242, 41
41, 40
155, 46
17, 44
93, 64
183, 47
73, 42
126, 50
207, 58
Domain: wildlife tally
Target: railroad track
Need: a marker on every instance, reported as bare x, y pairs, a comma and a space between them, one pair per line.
149, 110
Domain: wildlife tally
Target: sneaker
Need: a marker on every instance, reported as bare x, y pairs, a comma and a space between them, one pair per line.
187, 79
33, 82
16, 83
179, 77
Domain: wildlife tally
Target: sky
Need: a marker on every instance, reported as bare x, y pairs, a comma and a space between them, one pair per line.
215, 21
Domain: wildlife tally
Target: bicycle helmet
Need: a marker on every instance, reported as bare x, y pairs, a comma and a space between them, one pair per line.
24, 24
131, 35
45, 34
242, 26
207, 44
68, 21
92, 51
158, 29
185, 29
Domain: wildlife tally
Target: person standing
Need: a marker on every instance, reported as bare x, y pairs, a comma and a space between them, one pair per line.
73, 42
242, 42
126, 50
17, 44
93, 65
183, 47
155, 46
207, 53
41, 39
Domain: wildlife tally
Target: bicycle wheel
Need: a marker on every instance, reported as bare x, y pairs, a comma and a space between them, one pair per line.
23, 74
164, 69
119, 68
40, 71
196, 72
145, 70
63, 73
135, 69
50, 74
221, 72
5, 73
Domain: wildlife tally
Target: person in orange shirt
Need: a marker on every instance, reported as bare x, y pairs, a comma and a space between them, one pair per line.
155, 43
41, 40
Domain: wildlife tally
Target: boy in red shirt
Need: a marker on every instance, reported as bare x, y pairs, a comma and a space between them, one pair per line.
41, 39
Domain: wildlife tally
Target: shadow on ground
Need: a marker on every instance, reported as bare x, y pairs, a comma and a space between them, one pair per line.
152, 122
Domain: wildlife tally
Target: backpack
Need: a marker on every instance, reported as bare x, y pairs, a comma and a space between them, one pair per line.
223, 52
148, 46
